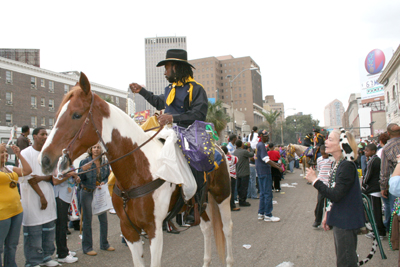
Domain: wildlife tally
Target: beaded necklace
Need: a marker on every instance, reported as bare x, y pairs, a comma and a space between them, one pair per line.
332, 180
395, 211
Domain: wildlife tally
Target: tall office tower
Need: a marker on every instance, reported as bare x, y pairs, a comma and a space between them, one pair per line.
155, 51
225, 78
333, 114
28, 56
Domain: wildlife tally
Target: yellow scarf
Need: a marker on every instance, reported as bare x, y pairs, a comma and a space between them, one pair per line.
171, 95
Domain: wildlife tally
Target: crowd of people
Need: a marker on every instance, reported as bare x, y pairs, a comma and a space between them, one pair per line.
257, 166
40, 204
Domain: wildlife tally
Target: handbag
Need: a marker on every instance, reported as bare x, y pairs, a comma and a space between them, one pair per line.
197, 144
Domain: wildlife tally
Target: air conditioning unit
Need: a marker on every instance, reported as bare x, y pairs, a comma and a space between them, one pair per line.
33, 106
51, 90
33, 86
51, 109
33, 125
50, 127
9, 102
9, 124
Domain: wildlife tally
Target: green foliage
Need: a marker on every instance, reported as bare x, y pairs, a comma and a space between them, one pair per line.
217, 116
293, 130
271, 117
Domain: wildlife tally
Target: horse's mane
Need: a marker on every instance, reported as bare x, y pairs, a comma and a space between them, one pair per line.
66, 98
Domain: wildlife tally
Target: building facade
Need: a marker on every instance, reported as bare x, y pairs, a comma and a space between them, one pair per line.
333, 114
31, 96
271, 105
28, 56
390, 80
155, 51
230, 80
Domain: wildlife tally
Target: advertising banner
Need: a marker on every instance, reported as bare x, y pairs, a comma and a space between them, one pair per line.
371, 67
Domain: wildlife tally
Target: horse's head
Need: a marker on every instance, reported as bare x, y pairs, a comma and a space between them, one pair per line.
73, 132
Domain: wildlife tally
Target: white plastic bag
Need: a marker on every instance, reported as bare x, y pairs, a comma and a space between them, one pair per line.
174, 167
101, 200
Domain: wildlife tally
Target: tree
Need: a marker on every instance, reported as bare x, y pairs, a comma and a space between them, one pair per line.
296, 127
271, 117
217, 116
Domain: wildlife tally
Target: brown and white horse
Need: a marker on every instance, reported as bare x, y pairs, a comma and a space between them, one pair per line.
81, 113
299, 150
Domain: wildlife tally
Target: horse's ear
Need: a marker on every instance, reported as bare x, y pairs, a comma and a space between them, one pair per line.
84, 83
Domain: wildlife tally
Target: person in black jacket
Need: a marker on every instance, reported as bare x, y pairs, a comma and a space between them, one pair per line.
371, 187
345, 211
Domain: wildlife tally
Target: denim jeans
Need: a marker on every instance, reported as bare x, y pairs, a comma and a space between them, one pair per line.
265, 184
39, 243
346, 247
9, 236
388, 202
87, 240
61, 229
291, 166
252, 189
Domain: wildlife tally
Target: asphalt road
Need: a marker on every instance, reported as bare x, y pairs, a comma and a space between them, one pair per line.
290, 240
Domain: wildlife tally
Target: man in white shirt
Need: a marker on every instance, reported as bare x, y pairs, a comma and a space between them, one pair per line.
38, 202
231, 145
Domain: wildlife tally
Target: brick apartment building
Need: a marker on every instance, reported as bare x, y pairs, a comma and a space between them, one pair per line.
213, 73
31, 95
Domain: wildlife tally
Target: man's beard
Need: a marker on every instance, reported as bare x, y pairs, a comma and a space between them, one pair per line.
172, 77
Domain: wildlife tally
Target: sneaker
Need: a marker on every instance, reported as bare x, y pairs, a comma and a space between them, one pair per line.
50, 263
244, 204
260, 217
73, 254
315, 225
271, 219
236, 201
112, 211
68, 259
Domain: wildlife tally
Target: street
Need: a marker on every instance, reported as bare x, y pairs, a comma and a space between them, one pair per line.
290, 240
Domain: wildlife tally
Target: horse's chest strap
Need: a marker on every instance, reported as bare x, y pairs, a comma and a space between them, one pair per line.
140, 191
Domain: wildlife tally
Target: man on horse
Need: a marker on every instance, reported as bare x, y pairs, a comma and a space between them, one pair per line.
184, 100
319, 140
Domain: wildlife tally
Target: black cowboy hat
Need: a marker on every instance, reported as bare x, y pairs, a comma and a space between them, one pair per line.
263, 132
178, 55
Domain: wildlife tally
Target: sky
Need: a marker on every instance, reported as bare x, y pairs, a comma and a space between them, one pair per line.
309, 52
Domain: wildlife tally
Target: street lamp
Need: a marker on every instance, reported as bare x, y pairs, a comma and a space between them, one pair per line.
282, 124
230, 83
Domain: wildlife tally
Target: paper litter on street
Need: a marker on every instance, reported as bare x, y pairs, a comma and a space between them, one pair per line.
246, 246
294, 183
286, 264
274, 202
287, 185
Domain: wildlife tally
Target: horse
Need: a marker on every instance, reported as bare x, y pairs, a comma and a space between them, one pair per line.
299, 150
83, 120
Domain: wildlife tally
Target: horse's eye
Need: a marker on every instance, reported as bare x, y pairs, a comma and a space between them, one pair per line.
76, 116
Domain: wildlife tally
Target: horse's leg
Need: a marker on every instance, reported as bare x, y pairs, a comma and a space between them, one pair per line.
136, 249
205, 226
225, 211
156, 245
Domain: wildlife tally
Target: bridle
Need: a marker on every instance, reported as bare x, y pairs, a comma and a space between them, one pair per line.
67, 154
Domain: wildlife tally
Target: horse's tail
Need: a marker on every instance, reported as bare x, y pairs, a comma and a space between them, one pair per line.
217, 225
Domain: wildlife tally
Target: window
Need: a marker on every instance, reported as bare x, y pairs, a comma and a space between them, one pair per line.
9, 98
9, 119
33, 121
112, 99
43, 122
9, 77
43, 102
51, 86
42, 83
394, 92
33, 82
51, 104
51, 122
117, 100
33, 101
388, 97
66, 88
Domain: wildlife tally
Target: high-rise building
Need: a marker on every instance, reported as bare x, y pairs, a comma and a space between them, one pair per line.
227, 78
333, 114
271, 105
28, 56
155, 51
